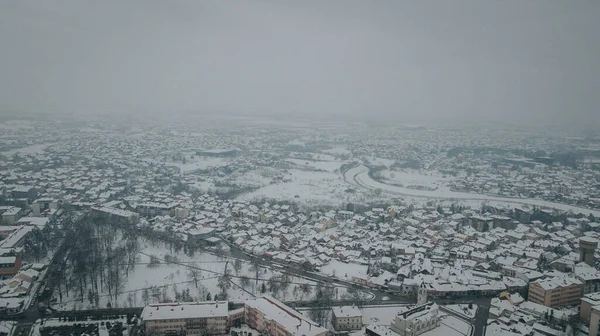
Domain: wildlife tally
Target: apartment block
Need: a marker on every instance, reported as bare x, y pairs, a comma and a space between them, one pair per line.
199, 318
271, 317
556, 292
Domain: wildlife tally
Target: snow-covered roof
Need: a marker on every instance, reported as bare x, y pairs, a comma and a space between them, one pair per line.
291, 320
346, 311
169, 311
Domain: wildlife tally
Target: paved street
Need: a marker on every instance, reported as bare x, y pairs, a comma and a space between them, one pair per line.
483, 311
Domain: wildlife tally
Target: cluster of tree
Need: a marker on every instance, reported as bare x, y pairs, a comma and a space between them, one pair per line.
224, 282
37, 243
321, 303
98, 262
357, 297
279, 284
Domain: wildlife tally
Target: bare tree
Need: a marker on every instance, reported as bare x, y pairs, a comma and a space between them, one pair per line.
306, 289
193, 274
284, 284
225, 280
322, 303
237, 266
274, 285
245, 281
256, 268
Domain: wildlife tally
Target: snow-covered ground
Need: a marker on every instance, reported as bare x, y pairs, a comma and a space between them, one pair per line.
359, 177
337, 151
377, 161
451, 326
380, 315
199, 163
33, 149
463, 309
411, 178
329, 166
171, 277
314, 188
15, 125
308, 187
344, 271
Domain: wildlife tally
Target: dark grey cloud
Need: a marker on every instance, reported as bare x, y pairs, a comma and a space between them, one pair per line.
535, 61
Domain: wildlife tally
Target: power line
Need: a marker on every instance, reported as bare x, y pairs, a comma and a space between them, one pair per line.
140, 289
317, 283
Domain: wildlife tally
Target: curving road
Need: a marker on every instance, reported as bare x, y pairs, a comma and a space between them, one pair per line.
359, 177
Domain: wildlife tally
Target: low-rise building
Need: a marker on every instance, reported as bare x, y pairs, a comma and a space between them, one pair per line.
346, 318
201, 318
9, 266
41, 204
417, 320
16, 238
24, 192
202, 233
10, 214
273, 318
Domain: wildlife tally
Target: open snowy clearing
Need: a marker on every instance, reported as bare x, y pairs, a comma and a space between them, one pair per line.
311, 188
359, 177
168, 278
314, 188
411, 178
200, 163
15, 125
377, 161
337, 151
329, 166
33, 149
344, 271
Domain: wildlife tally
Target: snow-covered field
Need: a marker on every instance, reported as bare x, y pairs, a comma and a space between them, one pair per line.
337, 151
315, 188
308, 187
329, 166
411, 178
344, 271
359, 177
33, 149
377, 161
15, 125
175, 277
199, 163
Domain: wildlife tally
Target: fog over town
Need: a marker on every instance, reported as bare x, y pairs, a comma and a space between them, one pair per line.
245, 168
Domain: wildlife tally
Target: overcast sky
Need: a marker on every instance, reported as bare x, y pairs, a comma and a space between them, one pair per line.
409, 60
